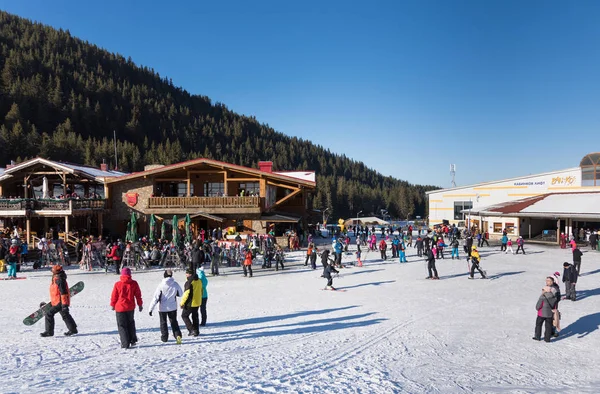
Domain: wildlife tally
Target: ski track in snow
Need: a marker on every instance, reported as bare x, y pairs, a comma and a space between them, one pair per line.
390, 332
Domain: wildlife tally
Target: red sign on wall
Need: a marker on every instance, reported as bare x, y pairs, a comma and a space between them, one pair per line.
132, 199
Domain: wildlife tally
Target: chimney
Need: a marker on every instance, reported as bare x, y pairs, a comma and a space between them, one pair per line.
265, 166
104, 166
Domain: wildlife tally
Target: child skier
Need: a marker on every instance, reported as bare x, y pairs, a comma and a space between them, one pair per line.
509, 247
327, 275
358, 253
475, 259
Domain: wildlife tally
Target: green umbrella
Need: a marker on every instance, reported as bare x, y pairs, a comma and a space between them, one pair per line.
163, 231
175, 230
152, 227
188, 228
133, 233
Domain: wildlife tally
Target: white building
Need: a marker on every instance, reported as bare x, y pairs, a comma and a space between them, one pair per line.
535, 206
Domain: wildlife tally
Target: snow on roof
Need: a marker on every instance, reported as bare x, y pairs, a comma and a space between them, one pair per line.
583, 204
303, 175
95, 172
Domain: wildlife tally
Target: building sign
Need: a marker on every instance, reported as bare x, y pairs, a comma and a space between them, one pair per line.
530, 183
132, 199
564, 180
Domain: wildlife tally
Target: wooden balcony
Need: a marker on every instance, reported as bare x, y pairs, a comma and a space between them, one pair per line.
49, 207
205, 204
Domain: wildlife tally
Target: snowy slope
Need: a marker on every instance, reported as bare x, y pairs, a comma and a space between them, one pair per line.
391, 331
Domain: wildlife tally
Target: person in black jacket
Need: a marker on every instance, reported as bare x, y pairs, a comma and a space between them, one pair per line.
327, 275
577, 259
570, 280
593, 240
431, 265
196, 257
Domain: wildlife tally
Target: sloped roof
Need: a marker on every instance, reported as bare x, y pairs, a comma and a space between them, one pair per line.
304, 175
555, 205
89, 172
171, 167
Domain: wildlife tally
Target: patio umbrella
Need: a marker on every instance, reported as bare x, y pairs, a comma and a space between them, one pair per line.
133, 229
45, 191
175, 230
152, 227
163, 231
188, 228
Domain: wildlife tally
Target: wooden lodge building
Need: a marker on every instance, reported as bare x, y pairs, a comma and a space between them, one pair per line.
214, 194
38, 194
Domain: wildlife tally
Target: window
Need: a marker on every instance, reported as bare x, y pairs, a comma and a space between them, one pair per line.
214, 189
461, 206
497, 227
510, 228
250, 188
172, 189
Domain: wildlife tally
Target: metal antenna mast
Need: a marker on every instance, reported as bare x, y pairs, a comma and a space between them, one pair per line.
453, 173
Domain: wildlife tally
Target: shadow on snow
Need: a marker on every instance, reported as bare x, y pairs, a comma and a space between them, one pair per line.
582, 327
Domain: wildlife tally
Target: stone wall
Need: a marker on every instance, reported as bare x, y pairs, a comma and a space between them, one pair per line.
120, 211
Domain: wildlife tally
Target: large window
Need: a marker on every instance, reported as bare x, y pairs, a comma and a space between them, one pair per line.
497, 227
250, 188
590, 170
214, 189
173, 189
461, 206
510, 228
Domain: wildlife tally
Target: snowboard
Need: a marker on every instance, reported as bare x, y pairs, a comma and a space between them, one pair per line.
45, 307
17, 278
333, 289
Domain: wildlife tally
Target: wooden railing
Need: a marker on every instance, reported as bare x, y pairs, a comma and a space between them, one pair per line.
30, 204
204, 202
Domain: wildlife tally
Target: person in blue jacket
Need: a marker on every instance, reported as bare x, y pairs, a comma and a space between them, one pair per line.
402, 252
338, 253
504, 241
204, 280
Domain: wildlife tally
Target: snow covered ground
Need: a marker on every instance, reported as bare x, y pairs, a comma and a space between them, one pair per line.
391, 331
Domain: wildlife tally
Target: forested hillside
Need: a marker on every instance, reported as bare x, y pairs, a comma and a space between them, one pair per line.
61, 98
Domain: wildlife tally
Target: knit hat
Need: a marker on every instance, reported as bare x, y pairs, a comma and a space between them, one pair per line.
557, 274
56, 269
126, 272
168, 273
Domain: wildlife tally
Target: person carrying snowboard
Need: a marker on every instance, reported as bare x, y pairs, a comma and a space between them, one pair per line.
191, 301
475, 260
126, 292
60, 299
327, 275
166, 296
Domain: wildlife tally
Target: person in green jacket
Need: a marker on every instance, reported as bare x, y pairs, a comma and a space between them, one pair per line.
191, 301
200, 273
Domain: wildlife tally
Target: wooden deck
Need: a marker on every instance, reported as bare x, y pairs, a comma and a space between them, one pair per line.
203, 202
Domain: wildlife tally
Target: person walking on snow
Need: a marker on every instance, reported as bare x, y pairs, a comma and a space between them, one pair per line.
454, 245
577, 259
166, 296
475, 260
382, 249
504, 241
509, 247
190, 302
126, 292
545, 305
520, 243
247, 263
419, 246
402, 252
204, 280
116, 254
433, 274
570, 280
60, 300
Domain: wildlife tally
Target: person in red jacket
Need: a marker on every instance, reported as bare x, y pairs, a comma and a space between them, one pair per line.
116, 254
124, 296
60, 299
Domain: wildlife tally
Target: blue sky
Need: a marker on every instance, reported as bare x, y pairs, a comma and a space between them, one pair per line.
500, 88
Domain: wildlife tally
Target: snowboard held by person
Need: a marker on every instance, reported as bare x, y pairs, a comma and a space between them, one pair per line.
60, 299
